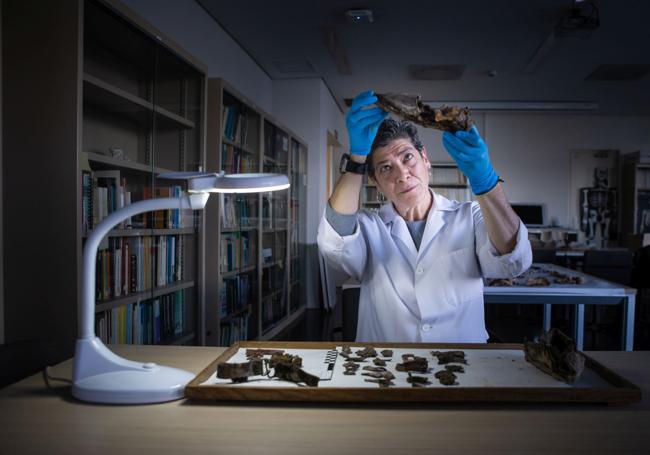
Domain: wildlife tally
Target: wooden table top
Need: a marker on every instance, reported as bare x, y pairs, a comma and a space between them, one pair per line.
35, 419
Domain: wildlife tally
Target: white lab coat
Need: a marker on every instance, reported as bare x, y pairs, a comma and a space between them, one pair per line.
434, 294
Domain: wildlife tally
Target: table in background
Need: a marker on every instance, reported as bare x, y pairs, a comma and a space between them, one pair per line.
594, 291
34, 419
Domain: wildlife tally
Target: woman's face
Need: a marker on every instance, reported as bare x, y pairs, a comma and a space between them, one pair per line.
402, 173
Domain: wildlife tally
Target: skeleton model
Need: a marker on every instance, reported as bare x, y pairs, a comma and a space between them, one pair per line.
598, 209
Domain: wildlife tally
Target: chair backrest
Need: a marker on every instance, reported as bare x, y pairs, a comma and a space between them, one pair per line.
611, 265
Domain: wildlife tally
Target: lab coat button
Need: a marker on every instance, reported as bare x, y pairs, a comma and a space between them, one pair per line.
420, 270
426, 327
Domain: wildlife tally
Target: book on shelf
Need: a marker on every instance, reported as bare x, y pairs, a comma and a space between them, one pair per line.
237, 211
235, 160
237, 251
237, 329
446, 175
234, 294
151, 321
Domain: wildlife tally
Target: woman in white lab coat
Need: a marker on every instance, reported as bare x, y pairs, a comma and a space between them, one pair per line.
420, 260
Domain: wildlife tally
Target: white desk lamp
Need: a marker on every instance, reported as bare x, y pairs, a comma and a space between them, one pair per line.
101, 376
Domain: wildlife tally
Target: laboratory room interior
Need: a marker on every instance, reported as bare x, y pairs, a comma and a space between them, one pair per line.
330, 210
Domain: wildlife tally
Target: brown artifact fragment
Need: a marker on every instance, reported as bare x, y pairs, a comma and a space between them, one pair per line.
239, 372
372, 368
446, 377
418, 381
382, 382
350, 368
501, 282
379, 362
258, 353
288, 367
366, 352
411, 108
411, 362
449, 357
556, 354
387, 353
378, 375
346, 350
538, 282
455, 368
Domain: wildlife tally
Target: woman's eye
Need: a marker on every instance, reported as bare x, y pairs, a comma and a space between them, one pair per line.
408, 156
385, 168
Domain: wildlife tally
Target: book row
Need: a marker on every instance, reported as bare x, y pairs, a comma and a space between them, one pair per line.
238, 211
446, 176
234, 124
237, 251
238, 329
155, 321
234, 160
104, 192
137, 264
234, 294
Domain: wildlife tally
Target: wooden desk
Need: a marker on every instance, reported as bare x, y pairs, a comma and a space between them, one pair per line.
34, 419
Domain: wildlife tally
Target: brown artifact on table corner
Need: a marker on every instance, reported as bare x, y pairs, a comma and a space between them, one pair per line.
411, 108
418, 381
556, 354
446, 377
538, 282
501, 282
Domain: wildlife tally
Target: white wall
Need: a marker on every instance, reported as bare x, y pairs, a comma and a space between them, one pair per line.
306, 107
188, 24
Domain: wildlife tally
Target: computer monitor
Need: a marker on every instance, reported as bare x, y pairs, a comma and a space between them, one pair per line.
531, 214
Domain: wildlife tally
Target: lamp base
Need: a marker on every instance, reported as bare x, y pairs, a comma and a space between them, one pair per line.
100, 376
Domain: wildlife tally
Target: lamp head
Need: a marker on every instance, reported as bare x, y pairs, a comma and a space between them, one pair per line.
210, 182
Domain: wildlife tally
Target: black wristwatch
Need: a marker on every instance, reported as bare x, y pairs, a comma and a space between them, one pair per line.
347, 165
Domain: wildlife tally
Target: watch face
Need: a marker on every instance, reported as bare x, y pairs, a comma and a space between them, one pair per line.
344, 163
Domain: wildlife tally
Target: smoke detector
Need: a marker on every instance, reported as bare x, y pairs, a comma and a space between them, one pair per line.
358, 16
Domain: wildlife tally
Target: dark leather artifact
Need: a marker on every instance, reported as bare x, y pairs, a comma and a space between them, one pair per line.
411, 362
556, 354
366, 352
239, 372
449, 357
411, 108
446, 377
455, 368
258, 353
387, 353
288, 367
418, 381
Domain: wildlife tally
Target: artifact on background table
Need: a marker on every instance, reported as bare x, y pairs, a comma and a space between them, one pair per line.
387, 353
455, 368
411, 108
449, 357
239, 372
446, 377
556, 355
379, 362
562, 278
538, 282
374, 368
366, 352
411, 362
258, 353
288, 367
418, 381
382, 382
501, 282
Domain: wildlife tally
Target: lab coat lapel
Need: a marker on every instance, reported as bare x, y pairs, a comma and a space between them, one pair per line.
436, 220
400, 232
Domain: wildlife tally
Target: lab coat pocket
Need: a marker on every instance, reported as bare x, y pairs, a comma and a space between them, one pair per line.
459, 276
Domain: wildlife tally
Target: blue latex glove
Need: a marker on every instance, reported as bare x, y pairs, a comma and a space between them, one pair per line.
471, 154
363, 122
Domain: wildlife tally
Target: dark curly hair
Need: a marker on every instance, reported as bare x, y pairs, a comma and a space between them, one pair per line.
390, 130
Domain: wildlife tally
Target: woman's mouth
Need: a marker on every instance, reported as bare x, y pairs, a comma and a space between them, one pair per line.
409, 190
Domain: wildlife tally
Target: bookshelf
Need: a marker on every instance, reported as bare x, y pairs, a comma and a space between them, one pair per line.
109, 103
444, 178
255, 240
635, 203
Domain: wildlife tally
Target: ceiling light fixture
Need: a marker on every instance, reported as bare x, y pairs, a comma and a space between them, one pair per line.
358, 16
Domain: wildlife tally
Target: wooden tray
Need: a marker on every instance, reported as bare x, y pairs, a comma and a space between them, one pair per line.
598, 384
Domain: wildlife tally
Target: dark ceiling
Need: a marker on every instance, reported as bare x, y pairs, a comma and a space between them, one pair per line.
491, 45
